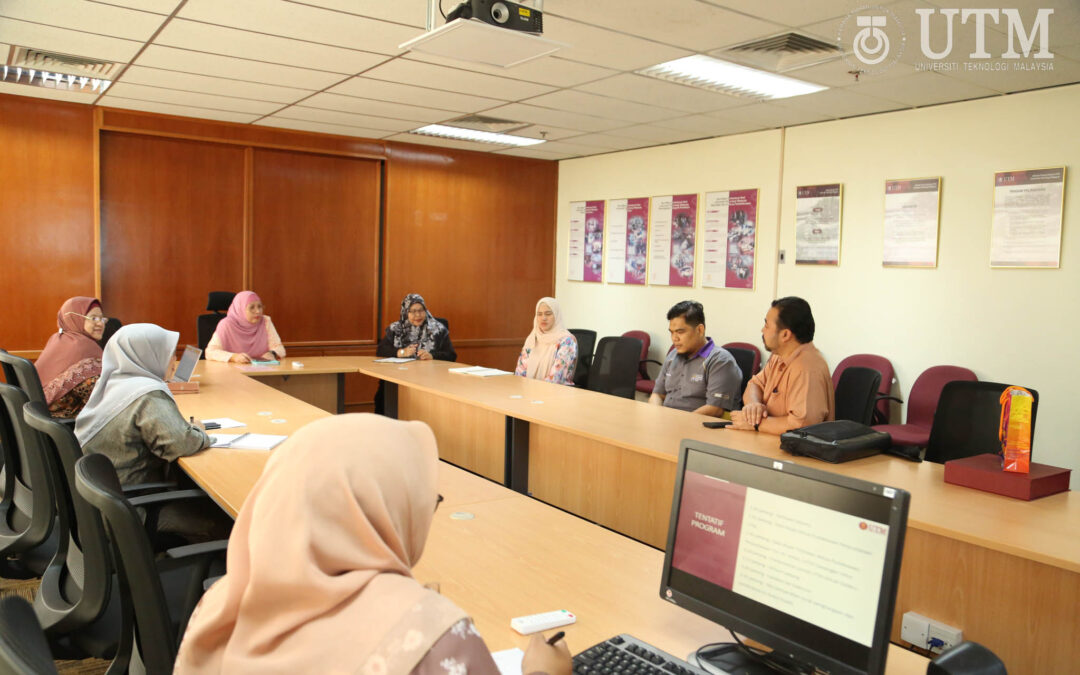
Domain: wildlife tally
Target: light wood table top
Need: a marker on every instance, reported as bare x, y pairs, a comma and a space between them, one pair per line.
313, 365
1038, 530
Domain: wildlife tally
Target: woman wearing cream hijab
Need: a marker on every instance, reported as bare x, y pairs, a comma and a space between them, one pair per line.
319, 566
550, 351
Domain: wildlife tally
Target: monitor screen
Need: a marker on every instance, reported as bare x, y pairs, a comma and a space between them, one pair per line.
802, 561
187, 364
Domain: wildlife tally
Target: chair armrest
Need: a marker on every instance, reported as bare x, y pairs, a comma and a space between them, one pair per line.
159, 498
204, 548
883, 397
131, 490
66, 421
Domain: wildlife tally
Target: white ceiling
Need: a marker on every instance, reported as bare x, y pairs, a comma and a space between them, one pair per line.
333, 66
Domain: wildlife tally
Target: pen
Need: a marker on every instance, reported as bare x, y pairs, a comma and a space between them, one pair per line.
556, 637
230, 443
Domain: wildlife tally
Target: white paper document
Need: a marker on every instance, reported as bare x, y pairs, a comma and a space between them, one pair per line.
225, 422
508, 661
394, 359
479, 371
246, 441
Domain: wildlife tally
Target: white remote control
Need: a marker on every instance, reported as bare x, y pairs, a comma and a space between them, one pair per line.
535, 623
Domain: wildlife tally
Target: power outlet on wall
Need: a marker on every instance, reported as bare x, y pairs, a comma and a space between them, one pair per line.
929, 634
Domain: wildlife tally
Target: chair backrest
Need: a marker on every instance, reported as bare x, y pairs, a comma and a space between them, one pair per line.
219, 301
75, 588
111, 326
29, 514
856, 393
967, 420
922, 402
444, 322
878, 363
586, 341
205, 326
753, 349
23, 647
8, 369
140, 583
646, 342
744, 358
26, 375
614, 366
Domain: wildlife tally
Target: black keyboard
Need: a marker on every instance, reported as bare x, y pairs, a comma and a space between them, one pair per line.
627, 654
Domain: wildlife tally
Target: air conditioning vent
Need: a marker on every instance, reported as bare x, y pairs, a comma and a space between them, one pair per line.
484, 123
781, 53
54, 62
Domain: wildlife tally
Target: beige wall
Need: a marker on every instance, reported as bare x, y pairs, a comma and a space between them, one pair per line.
1015, 326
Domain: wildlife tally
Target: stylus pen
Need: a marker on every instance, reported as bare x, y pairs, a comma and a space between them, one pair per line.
556, 637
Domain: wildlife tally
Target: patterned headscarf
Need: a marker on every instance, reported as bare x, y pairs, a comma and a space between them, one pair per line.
71, 355
406, 334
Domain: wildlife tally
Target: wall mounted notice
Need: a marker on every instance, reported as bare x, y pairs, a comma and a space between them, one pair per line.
672, 240
585, 257
911, 222
1027, 218
730, 239
628, 240
817, 224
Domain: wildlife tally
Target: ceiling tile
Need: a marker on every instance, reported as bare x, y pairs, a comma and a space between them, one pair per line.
545, 132
451, 79
363, 106
658, 135
609, 142
534, 153
840, 103
572, 149
76, 43
156, 6
170, 109
558, 118
707, 126
770, 115
322, 127
232, 42
85, 16
302, 22
212, 85
408, 13
659, 93
46, 92
1066, 71
838, 73
557, 72
185, 60
185, 98
787, 12
444, 142
381, 90
602, 106
297, 112
606, 48
687, 24
923, 89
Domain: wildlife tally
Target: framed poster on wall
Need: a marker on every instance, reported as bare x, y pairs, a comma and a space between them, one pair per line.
628, 241
912, 214
818, 211
673, 240
585, 254
1028, 208
730, 239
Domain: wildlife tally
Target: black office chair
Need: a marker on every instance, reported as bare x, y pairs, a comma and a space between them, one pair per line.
25, 375
857, 394
217, 303
967, 420
744, 358
614, 366
23, 647
111, 326
148, 613
586, 340
444, 322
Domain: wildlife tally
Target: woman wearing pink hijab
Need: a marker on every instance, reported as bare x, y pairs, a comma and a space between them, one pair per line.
70, 364
320, 566
245, 333
550, 351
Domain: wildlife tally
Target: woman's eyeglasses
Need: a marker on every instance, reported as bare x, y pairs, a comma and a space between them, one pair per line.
95, 319
417, 312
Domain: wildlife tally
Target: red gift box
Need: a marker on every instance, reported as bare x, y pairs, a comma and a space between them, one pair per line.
983, 472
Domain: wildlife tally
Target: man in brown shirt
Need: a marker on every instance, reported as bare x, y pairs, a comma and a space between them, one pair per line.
795, 388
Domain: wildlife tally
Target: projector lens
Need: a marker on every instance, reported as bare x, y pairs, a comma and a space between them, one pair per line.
500, 12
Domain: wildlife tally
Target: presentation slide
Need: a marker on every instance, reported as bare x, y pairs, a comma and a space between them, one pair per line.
813, 563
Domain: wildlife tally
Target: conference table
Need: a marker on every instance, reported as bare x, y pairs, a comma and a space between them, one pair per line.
494, 551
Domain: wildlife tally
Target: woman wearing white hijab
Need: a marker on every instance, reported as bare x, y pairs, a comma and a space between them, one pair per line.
320, 566
550, 351
132, 419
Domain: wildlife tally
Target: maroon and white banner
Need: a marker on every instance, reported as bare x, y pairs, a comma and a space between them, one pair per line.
628, 241
673, 240
730, 239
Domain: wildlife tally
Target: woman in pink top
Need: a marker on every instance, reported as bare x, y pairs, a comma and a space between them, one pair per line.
245, 334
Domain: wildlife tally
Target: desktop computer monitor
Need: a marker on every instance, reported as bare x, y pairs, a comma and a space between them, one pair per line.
800, 560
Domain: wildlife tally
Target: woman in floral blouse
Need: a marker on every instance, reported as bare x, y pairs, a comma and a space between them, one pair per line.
550, 351
70, 364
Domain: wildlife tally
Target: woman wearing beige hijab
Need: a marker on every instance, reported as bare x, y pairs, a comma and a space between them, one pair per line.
319, 566
550, 351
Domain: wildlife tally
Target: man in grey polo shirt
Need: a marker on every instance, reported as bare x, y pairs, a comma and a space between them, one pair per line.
697, 376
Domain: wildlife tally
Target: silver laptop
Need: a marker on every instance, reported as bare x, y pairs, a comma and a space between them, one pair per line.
186, 366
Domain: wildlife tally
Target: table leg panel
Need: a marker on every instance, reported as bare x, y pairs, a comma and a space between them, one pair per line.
468, 436
319, 390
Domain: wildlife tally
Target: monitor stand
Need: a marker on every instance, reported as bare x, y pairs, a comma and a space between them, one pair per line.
731, 659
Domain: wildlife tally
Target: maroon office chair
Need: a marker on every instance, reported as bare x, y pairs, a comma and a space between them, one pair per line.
646, 385
646, 339
880, 364
922, 402
750, 348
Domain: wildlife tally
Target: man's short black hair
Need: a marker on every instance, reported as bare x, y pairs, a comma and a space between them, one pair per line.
691, 311
795, 315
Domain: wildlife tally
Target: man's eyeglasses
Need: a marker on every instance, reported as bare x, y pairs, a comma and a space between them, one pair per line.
95, 319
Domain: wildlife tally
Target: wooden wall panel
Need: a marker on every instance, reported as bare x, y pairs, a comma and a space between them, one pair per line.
315, 253
46, 214
171, 227
473, 233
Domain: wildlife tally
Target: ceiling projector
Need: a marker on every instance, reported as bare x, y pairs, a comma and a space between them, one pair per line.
501, 13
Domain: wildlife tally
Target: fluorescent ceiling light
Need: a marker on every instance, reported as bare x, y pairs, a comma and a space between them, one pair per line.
472, 135
706, 72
